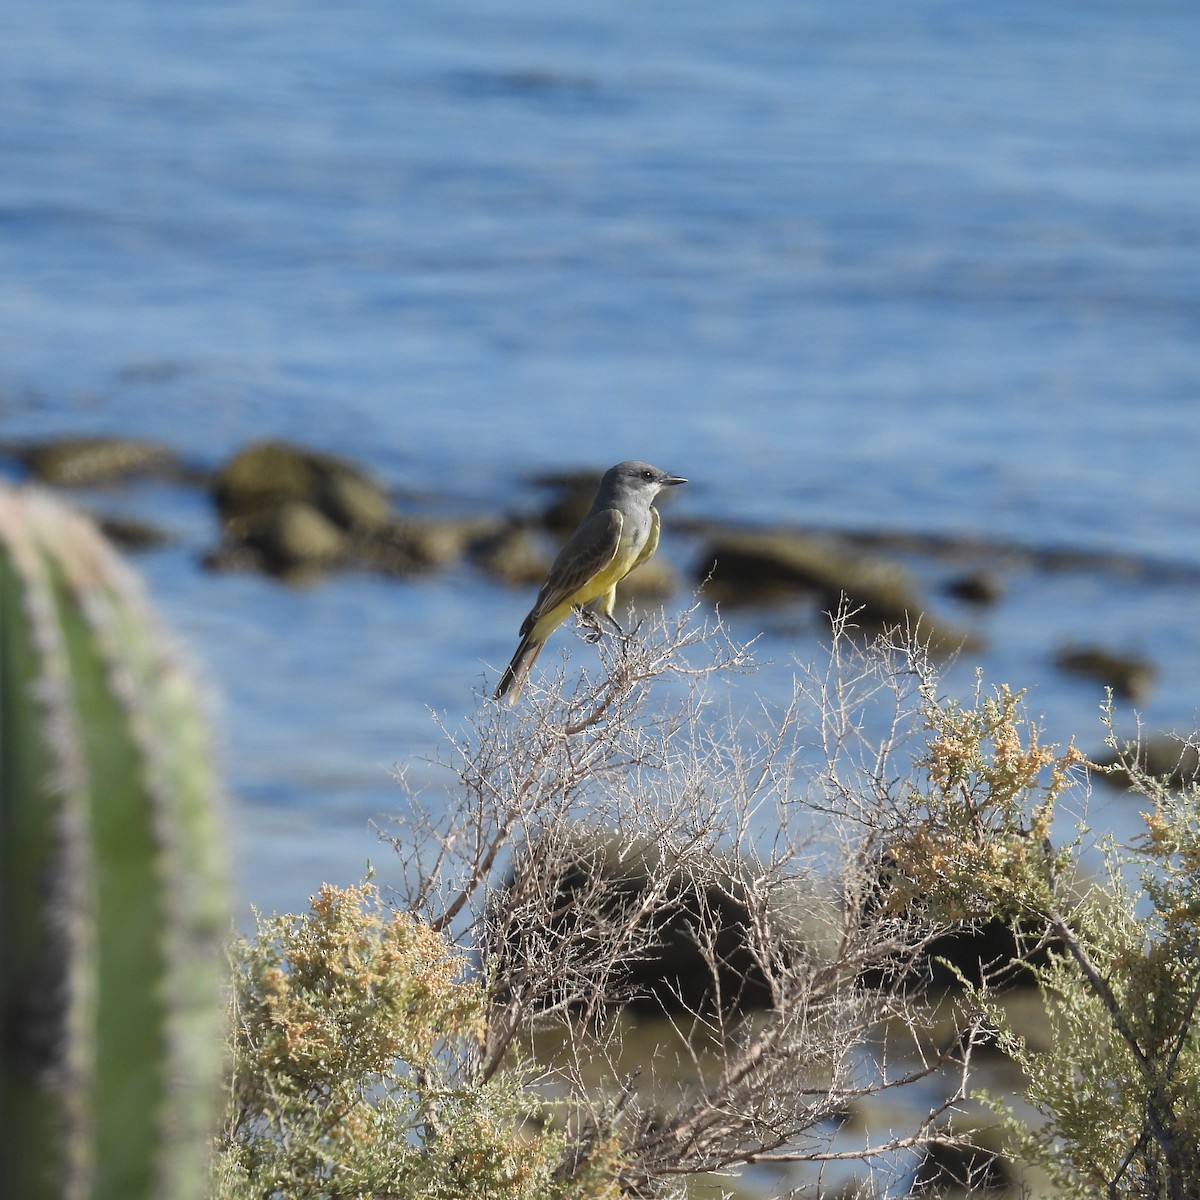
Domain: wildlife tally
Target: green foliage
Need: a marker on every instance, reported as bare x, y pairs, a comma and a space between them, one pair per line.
357, 1070
111, 878
1117, 1083
1120, 1081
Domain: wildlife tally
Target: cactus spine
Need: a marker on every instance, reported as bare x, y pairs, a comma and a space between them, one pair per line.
112, 896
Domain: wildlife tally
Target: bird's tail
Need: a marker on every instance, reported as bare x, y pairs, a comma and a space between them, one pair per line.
517, 672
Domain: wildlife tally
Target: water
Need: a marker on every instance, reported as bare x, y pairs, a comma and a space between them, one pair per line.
929, 267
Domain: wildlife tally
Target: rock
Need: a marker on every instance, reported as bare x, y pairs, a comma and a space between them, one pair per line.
990, 948
976, 587
576, 491
746, 567
511, 555
132, 534
996, 949
293, 535
302, 509
1129, 675
391, 551
82, 461
672, 977
268, 474
260, 476
1165, 758
411, 545
975, 1170
353, 502
438, 542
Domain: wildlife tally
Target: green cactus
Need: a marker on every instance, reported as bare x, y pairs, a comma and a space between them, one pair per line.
112, 880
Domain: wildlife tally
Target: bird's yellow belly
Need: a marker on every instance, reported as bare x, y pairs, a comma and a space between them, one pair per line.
607, 579
600, 585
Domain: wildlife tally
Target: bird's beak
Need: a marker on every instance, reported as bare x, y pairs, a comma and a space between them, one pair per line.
672, 480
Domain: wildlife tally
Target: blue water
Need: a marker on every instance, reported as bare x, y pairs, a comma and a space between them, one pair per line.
924, 266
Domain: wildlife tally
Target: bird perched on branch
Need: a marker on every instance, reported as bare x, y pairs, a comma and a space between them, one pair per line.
619, 533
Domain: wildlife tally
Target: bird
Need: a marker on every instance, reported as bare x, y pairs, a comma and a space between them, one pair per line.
619, 533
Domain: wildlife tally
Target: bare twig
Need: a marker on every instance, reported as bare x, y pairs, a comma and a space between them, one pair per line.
605, 828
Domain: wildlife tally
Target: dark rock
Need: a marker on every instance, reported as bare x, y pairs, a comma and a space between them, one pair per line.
408, 546
262, 476
576, 491
950, 1170
353, 502
976, 587
998, 949
298, 509
84, 461
131, 534
292, 535
438, 542
304, 510
1129, 675
598, 882
747, 567
268, 474
511, 555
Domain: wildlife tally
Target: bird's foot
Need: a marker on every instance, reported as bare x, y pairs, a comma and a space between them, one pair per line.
590, 625
593, 624
616, 625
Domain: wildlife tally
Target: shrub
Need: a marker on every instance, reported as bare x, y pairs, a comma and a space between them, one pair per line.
1118, 1082
357, 1046
672, 793
475, 1039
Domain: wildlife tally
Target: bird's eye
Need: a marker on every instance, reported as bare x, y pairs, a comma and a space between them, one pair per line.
647, 475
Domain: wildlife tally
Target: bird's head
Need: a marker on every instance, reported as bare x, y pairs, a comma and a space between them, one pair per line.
638, 478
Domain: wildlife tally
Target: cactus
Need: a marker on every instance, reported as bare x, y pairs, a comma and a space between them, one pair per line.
112, 882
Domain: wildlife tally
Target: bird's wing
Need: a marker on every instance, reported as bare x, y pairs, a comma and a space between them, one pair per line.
651, 541
588, 550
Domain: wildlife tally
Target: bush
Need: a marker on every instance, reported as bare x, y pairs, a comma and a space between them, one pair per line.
1119, 1083
1120, 980
476, 1040
677, 794
357, 1043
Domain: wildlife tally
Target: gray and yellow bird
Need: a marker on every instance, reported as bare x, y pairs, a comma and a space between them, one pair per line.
619, 533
